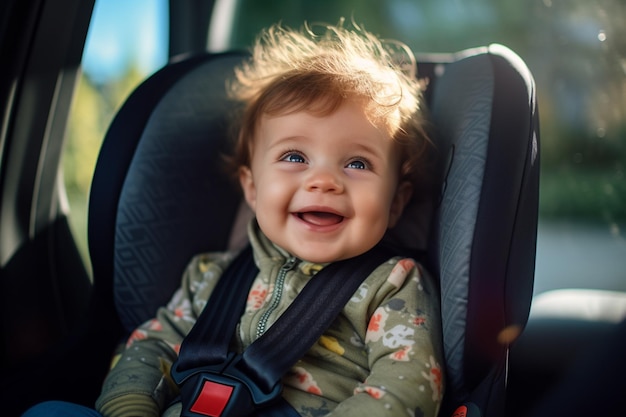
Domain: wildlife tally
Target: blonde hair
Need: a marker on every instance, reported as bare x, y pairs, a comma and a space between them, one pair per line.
291, 71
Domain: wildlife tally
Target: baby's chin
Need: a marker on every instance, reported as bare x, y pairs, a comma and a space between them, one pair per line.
325, 256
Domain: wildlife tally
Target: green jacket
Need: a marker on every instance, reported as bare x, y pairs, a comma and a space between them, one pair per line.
381, 356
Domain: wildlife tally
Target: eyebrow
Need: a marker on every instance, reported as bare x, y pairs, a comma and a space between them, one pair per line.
366, 148
280, 141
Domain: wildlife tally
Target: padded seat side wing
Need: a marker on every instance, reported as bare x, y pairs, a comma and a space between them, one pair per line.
484, 113
161, 175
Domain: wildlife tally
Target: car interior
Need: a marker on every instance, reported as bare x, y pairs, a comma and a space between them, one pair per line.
157, 196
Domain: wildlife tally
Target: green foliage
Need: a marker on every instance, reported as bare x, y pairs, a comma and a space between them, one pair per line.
590, 195
92, 111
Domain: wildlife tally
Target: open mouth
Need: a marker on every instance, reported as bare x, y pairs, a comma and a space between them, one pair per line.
320, 218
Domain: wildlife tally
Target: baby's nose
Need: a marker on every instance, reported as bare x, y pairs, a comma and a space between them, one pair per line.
324, 180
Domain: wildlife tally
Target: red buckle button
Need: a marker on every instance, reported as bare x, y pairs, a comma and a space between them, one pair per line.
460, 412
212, 399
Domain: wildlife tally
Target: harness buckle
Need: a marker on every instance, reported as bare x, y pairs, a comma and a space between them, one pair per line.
221, 391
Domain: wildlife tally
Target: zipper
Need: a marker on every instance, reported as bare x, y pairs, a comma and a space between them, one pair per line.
278, 294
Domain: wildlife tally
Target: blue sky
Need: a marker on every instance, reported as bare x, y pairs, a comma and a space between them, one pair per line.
122, 32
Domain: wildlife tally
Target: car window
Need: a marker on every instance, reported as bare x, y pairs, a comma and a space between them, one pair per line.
577, 53
127, 41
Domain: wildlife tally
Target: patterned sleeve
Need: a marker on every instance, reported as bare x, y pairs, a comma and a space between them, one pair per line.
403, 341
139, 382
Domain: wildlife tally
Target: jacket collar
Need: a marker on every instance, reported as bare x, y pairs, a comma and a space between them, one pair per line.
268, 254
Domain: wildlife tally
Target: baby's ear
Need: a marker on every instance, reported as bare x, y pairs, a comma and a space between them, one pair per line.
247, 185
400, 200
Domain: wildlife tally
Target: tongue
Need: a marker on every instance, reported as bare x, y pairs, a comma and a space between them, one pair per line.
320, 218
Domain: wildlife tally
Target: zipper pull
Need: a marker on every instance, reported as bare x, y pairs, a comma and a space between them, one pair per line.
278, 294
289, 264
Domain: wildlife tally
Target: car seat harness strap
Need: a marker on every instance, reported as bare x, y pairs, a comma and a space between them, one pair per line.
218, 383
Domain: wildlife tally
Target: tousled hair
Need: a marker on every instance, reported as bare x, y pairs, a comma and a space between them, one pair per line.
316, 69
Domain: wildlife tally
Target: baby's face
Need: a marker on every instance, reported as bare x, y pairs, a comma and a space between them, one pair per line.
324, 188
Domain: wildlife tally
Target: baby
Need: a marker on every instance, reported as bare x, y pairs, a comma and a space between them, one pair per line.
328, 155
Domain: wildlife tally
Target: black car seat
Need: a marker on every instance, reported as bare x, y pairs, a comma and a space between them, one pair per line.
159, 196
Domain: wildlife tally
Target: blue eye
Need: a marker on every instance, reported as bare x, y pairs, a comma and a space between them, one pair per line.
357, 164
293, 157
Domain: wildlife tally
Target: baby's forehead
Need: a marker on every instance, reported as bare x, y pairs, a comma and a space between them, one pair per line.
382, 117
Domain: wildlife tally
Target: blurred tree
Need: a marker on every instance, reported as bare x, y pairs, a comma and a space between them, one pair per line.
92, 111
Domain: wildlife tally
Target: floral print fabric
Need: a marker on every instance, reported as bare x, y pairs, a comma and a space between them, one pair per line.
381, 356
